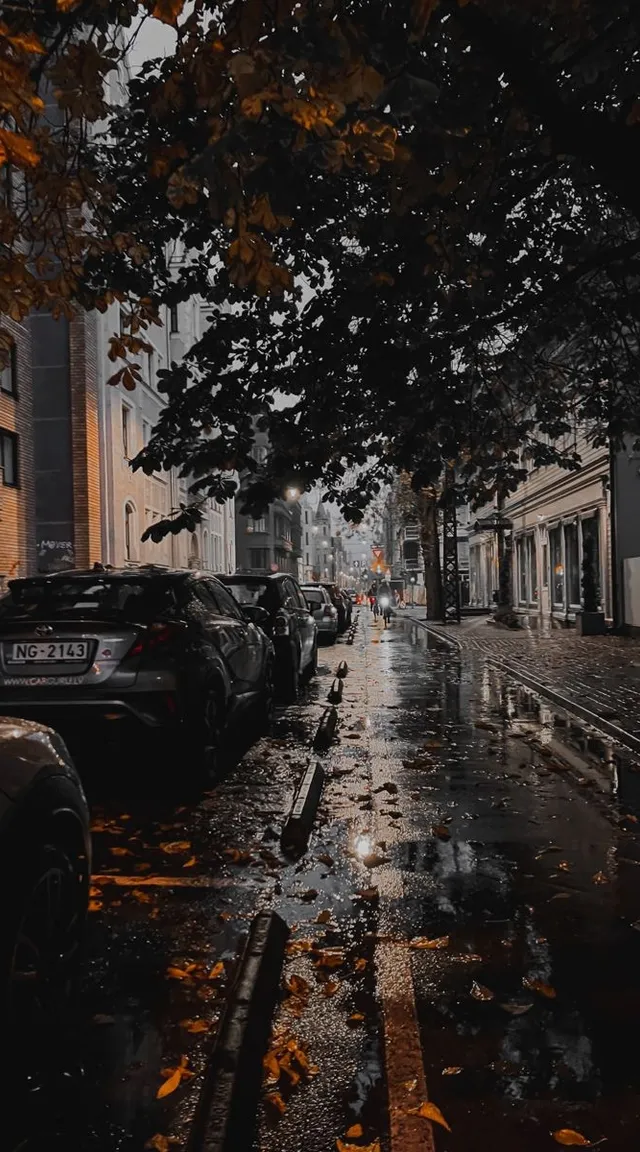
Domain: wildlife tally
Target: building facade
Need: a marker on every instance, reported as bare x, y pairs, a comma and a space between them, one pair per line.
551, 515
132, 501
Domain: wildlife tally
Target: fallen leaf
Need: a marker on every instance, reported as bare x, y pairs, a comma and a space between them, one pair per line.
360, 964
434, 945
374, 860
160, 1143
633, 819
237, 856
217, 970
297, 985
121, 851
271, 1065
569, 1138
429, 1111
176, 973
95, 905
516, 1009
310, 895
190, 862
296, 946
95, 892
224, 915
141, 896
330, 988
539, 986
323, 917
329, 958
600, 878
170, 1084
325, 858
194, 1026
441, 831
368, 894
480, 992
453, 1071
276, 1103
355, 1131
173, 847
355, 1018
564, 865
410, 1085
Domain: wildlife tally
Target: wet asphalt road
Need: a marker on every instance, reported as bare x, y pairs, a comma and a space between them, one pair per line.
458, 809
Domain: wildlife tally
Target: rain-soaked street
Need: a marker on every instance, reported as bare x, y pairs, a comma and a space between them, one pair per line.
464, 925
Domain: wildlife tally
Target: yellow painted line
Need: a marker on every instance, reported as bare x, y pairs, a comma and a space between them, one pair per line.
406, 1080
107, 878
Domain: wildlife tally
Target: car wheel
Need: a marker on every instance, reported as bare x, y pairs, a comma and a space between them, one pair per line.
44, 904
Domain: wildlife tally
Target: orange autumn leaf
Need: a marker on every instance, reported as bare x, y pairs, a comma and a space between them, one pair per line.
173, 1078
343, 1147
571, 1139
194, 1026
66, 5
217, 970
95, 905
355, 1131
434, 945
481, 992
275, 1101
172, 847
429, 1111
534, 985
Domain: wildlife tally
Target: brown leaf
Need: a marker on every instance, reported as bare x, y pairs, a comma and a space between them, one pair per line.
441, 831
539, 986
600, 878
95, 905
160, 1143
121, 851
454, 1070
429, 1111
569, 1138
276, 1103
355, 1018
360, 964
217, 970
342, 1147
564, 865
170, 1084
325, 858
330, 988
167, 10
271, 1065
297, 986
368, 894
194, 1026
193, 860
329, 958
173, 847
323, 917
141, 896
434, 945
310, 895
480, 992
176, 973
374, 860
355, 1131
237, 856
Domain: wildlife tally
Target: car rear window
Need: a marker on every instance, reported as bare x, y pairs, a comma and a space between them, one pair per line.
314, 595
134, 601
258, 592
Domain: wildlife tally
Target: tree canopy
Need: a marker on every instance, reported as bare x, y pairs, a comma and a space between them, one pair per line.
415, 225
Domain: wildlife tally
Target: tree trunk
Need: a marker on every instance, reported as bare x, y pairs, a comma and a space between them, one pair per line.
427, 508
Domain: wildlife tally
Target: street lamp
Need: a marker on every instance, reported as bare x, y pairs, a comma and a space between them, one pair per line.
413, 582
292, 493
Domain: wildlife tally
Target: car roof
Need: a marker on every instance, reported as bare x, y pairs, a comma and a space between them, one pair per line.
144, 572
244, 577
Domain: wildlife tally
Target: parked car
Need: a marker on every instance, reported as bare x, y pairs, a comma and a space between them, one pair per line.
343, 605
352, 594
324, 612
158, 652
289, 624
45, 864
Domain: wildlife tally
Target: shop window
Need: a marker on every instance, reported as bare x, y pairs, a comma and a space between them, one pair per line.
557, 567
572, 562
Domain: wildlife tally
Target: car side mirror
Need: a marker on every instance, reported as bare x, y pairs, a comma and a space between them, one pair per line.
255, 614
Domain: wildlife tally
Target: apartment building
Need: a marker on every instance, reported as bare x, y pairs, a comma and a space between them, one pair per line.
131, 500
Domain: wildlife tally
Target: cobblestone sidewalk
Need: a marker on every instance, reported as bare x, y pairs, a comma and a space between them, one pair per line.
600, 673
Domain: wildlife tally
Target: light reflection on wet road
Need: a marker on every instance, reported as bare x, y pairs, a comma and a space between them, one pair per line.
477, 814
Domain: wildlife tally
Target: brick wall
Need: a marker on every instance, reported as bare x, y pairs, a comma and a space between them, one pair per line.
85, 440
17, 536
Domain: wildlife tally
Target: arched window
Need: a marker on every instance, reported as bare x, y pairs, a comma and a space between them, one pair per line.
194, 551
130, 540
205, 550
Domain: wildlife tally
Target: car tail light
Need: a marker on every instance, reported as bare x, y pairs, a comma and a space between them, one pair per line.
281, 626
156, 636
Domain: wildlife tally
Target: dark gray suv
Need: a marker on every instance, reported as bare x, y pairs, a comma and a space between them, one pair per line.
144, 649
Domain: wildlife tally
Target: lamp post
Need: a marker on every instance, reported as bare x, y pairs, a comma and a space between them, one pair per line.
413, 584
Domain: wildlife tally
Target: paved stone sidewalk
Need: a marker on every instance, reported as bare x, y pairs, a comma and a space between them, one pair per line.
600, 673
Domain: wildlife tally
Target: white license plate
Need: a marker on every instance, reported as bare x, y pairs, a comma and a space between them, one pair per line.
49, 652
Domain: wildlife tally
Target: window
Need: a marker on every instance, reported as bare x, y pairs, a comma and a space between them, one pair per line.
258, 559
259, 453
129, 532
306, 539
227, 606
306, 516
557, 567
9, 458
194, 549
259, 525
150, 367
146, 432
9, 377
572, 562
174, 319
591, 533
126, 431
